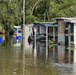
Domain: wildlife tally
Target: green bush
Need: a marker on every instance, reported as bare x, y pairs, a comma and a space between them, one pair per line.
51, 43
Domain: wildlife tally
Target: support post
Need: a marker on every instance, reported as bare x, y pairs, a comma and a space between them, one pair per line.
61, 34
46, 41
69, 37
53, 32
35, 37
75, 35
35, 40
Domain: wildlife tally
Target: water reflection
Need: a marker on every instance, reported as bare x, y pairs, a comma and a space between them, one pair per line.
37, 65
10, 60
37, 60
58, 57
74, 65
75, 56
23, 61
61, 54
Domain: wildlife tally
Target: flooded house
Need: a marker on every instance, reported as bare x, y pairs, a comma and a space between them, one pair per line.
61, 29
46, 28
66, 31
17, 33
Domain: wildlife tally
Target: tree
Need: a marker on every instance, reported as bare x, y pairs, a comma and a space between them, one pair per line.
35, 10
10, 13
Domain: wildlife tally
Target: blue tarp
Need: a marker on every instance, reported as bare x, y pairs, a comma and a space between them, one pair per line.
1, 40
18, 38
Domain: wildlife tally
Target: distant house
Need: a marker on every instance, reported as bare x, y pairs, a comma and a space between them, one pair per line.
66, 30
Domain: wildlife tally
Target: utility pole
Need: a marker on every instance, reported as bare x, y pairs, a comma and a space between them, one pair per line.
23, 26
23, 37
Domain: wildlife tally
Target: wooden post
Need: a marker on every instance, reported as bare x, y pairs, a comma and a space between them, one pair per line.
61, 35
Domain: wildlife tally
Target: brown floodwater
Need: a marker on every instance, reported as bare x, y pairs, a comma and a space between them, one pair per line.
39, 61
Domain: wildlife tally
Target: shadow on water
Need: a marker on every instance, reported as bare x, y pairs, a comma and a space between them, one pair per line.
36, 60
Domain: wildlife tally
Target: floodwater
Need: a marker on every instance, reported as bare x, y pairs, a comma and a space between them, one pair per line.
39, 61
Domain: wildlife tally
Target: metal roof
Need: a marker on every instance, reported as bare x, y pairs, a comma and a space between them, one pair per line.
49, 24
71, 20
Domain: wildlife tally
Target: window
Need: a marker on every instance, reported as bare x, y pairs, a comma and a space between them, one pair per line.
19, 31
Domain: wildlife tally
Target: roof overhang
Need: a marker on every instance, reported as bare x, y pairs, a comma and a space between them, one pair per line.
49, 24
71, 20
